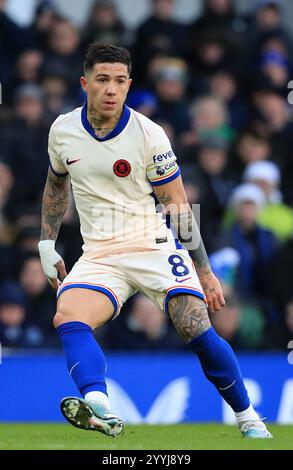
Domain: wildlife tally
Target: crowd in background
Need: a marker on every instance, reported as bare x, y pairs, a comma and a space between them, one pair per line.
219, 88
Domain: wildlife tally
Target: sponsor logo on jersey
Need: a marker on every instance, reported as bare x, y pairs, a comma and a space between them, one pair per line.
160, 171
163, 157
70, 162
122, 168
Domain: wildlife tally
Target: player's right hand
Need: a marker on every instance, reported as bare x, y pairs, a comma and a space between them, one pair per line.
52, 262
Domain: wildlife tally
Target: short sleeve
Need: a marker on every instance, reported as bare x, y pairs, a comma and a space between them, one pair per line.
162, 164
56, 164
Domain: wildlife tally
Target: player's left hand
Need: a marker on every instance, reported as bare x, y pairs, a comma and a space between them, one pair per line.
213, 291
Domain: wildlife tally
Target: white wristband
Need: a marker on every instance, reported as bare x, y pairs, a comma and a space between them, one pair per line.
49, 257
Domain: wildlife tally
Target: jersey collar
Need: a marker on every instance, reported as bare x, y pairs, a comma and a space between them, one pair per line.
116, 131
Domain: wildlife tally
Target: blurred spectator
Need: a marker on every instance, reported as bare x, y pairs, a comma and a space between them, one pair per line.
57, 98
146, 328
209, 118
143, 101
251, 147
27, 71
40, 301
13, 41
6, 184
159, 35
275, 216
268, 23
64, 54
104, 24
31, 157
46, 15
224, 85
242, 324
255, 244
170, 78
12, 315
214, 187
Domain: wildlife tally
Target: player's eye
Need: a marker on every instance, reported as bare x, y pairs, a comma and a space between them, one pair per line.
101, 80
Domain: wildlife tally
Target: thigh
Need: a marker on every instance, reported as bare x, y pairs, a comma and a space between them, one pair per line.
163, 274
88, 306
97, 286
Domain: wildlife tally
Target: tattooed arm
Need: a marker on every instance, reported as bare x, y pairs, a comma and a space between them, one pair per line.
172, 195
55, 202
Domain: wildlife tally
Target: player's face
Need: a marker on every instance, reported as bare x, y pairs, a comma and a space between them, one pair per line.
107, 86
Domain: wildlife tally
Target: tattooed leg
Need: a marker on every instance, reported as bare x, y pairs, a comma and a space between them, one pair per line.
189, 315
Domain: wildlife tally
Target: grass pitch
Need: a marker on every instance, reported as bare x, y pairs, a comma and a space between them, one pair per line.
144, 437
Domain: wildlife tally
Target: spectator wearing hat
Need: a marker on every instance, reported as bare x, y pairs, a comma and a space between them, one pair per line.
275, 216
255, 245
170, 79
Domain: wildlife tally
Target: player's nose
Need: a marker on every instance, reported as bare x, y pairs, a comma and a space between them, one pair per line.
111, 89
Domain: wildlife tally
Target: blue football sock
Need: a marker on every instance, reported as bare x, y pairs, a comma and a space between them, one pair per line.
85, 359
221, 367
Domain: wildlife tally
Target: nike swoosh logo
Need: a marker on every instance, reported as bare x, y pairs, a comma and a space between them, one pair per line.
71, 370
69, 162
182, 280
226, 388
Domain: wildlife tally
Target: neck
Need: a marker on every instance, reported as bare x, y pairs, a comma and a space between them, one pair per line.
102, 125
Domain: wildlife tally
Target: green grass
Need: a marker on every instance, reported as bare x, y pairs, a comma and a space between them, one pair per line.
145, 437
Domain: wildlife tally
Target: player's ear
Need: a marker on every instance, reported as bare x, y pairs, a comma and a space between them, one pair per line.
129, 83
83, 82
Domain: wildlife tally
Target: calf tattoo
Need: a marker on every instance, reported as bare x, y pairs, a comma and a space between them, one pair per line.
189, 315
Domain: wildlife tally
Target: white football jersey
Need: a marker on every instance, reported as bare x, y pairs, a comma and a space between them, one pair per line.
112, 180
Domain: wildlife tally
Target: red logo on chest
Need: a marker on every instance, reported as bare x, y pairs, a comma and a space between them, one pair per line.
122, 168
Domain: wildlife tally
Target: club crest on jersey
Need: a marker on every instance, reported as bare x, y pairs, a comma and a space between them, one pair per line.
122, 168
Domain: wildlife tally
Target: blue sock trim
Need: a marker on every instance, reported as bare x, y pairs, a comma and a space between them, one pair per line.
97, 288
67, 328
181, 290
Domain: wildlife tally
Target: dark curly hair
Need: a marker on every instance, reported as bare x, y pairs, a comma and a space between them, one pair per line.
98, 53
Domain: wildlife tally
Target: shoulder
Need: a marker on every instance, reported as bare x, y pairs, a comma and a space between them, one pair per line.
149, 127
64, 119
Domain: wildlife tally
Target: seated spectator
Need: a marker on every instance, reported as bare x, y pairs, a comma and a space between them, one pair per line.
40, 301
250, 147
45, 17
31, 157
275, 216
64, 55
14, 332
240, 323
170, 78
104, 24
209, 118
255, 245
225, 86
159, 35
27, 71
13, 41
145, 328
215, 187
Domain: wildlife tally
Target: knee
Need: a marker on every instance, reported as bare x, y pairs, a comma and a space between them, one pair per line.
190, 316
59, 319
63, 315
